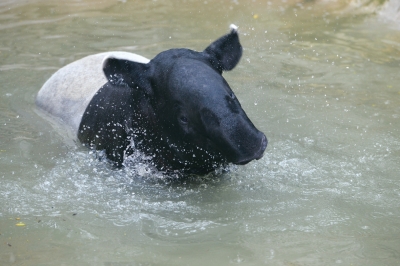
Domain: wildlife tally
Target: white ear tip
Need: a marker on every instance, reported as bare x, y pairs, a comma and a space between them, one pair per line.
233, 27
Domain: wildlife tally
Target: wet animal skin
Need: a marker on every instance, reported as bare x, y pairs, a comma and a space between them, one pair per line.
176, 108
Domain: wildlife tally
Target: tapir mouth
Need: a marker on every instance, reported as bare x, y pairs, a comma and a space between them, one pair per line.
257, 155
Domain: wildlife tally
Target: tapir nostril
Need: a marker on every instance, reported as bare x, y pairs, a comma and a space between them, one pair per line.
263, 146
258, 154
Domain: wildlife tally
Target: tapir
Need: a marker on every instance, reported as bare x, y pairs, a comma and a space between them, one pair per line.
175, 108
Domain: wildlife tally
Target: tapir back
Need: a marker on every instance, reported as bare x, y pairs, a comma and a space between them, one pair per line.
68, 92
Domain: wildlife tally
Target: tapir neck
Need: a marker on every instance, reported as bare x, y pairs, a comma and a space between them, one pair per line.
109, 112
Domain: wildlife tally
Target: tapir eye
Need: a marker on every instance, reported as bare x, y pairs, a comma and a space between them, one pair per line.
232, 95
183, 119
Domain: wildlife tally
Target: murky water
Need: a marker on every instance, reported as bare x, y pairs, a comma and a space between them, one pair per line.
321, 80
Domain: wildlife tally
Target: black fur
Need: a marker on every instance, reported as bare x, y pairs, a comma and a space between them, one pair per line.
177, 109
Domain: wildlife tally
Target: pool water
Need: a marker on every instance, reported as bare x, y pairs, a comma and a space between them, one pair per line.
320, 79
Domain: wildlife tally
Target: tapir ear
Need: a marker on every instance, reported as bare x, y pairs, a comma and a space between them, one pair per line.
225, 52
123, 72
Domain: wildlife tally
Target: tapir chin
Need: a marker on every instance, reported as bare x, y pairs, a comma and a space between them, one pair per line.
176, 108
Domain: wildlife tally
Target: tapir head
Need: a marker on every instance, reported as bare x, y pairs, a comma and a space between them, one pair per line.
197, 118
